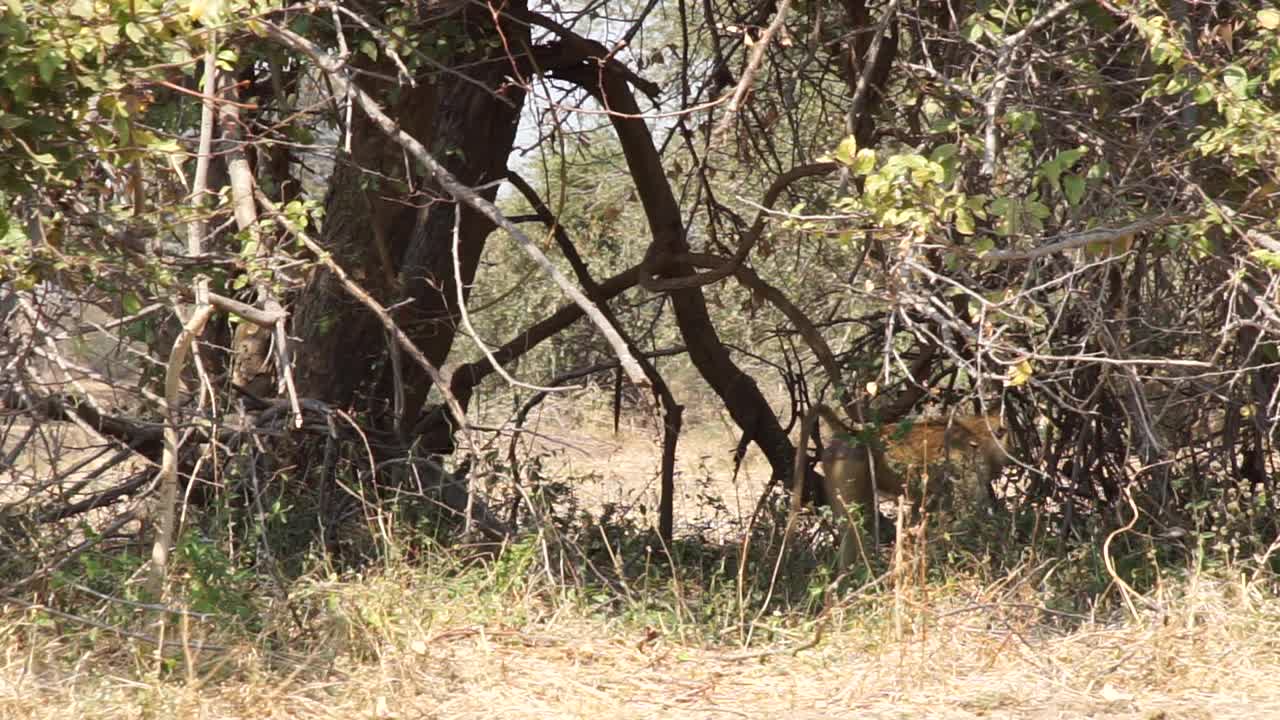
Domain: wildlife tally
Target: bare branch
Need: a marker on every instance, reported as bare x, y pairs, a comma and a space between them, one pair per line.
460, 192
753, 66
1088, 237
437, 377
991, 138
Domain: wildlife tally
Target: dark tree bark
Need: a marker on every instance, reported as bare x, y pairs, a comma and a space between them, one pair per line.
395, 234
739, 392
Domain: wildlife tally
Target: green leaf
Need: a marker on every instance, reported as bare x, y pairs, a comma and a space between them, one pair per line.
1236, 80
227, 60
865, 161
370, 48
1202, 94
1019, 374
9, 121
163, 145
48, 64
929, 172
984, 246
944, 152
876, 184
1022, 120
846, 150
1073, 186
1269, 18
1176, 84
1051, 171
964, 222
1071, 157
135, 32
1266, 257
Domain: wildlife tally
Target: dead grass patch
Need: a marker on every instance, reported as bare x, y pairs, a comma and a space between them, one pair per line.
408, 645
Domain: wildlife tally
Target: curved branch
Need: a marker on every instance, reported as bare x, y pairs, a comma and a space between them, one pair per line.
804, 325
1088, 237
728, 266
468, 376
336, 72
584, 47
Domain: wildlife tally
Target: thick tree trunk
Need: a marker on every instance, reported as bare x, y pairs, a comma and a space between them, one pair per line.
474, 137
395, 235
341, 340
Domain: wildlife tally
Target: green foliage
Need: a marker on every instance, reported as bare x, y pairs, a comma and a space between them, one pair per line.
211, 580
75, 76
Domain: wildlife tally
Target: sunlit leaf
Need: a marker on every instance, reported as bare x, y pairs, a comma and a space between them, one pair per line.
846, 150
865, 161
1019, 374
1236, 80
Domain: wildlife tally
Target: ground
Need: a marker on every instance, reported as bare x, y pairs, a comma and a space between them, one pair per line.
1216, 658
431, 641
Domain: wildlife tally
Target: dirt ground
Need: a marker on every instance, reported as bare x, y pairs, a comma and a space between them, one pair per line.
624, 469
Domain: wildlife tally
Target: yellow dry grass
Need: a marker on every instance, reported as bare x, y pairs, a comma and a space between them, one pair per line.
493, 641
403, 646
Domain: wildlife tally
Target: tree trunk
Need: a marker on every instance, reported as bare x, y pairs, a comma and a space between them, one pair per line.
395, 234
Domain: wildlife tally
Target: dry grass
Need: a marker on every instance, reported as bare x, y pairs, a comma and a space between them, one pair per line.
498, 640
405, 645
576, 440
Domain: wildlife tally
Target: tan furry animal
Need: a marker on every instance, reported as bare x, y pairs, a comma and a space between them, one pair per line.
957, 459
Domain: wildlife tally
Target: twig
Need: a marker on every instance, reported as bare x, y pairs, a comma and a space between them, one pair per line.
1088, 237
991, 138
460, 192
40, 607
812, 643
858, 104
465, 317
442, 382
753, 66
